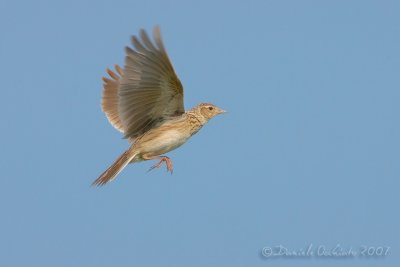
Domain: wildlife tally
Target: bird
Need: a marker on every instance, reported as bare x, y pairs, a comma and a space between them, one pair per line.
144, 101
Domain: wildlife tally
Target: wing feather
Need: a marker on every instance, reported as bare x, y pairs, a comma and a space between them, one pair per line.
149, 90
144, 93
110, 99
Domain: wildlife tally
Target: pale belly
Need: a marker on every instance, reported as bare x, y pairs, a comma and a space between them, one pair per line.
162, 143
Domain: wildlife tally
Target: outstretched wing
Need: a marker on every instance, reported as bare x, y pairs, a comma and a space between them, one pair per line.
149, 89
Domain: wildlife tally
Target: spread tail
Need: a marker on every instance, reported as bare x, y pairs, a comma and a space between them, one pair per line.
109, 174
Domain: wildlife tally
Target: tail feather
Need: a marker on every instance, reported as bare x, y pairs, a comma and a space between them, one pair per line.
109, 174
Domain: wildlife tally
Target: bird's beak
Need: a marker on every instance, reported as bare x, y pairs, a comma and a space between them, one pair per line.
221, 111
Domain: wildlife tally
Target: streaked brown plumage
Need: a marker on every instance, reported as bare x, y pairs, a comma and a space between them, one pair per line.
144, 101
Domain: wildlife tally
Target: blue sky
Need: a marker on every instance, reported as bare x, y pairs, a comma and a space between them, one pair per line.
307, 154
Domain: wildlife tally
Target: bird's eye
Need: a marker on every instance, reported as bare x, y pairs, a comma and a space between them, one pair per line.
210, 108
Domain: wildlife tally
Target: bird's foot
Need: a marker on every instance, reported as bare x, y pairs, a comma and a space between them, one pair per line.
168, 163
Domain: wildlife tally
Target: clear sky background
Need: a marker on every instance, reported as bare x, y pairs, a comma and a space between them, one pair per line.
308, 153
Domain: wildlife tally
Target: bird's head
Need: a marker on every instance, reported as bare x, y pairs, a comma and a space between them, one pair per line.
209, 111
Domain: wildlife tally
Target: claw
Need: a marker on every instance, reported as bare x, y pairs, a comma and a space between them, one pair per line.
168, 163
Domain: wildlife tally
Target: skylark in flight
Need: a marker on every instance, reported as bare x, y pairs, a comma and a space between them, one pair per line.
144, 101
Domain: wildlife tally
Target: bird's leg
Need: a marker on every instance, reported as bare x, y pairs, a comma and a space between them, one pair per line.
168, 163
